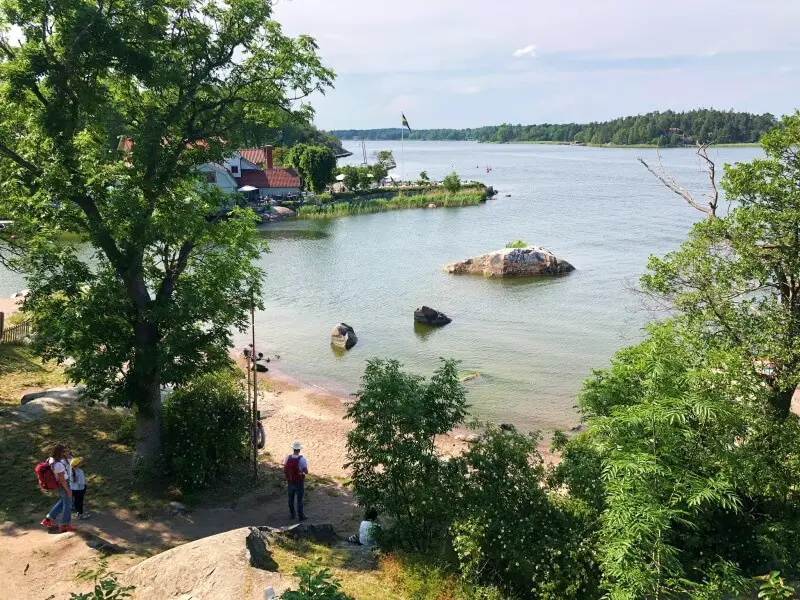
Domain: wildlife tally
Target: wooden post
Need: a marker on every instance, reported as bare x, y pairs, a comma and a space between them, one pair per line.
255, 387
2, 322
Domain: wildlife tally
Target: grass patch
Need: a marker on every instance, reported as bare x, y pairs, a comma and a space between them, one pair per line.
365, 575
466, 197
21, 369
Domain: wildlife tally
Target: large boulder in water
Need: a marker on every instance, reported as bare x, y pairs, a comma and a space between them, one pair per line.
429, 316
343, 336
512, 262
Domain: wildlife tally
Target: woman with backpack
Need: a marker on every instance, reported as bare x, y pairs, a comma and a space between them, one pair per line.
62, 471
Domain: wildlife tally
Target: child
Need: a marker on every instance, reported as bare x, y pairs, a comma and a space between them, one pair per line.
365, 534
78, 485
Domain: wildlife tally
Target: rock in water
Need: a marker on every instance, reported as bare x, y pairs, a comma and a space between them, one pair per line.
512, 262
343, 336
258, 547
428, 316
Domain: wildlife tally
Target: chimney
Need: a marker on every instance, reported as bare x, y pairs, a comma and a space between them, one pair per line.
268, 156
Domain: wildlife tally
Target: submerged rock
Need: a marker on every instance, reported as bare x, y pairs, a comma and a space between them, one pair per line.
343, 336
512, 262
429, 316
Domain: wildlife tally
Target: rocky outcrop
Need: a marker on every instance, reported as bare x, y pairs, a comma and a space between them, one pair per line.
429, 316
512, 262
257, 546
343, 336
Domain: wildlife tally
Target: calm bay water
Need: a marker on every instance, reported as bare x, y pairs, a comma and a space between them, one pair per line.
532, 342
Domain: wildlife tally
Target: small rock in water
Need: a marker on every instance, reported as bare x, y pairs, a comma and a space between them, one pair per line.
470, 377
507, 427
432, 205
343, 336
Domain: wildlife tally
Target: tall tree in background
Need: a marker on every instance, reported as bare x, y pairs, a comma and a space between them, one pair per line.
106, 110
316, 165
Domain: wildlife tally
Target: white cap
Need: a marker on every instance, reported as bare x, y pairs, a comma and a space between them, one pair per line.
297, 446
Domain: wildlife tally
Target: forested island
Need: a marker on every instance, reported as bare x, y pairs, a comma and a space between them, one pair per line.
667, 128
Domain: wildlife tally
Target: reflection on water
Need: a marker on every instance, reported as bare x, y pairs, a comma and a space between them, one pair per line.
424, 331
275, 232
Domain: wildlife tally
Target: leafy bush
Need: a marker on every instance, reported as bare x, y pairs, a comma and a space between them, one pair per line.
205, 428
392, 454
452, 182
316, 583
106, 586
517, 244
512, 532
126, 432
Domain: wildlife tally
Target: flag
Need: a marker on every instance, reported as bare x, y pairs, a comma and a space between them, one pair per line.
405, 122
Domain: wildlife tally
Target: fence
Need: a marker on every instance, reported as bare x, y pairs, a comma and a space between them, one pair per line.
14, 334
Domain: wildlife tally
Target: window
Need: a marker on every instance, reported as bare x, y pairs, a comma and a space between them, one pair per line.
211, 176
234, 169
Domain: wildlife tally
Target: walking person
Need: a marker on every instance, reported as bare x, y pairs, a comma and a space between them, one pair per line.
78, 486
62, 471
295, 469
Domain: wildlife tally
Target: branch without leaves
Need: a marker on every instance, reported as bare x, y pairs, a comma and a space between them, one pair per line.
672, 184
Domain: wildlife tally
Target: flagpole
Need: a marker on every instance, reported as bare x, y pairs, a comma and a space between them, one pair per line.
403, 149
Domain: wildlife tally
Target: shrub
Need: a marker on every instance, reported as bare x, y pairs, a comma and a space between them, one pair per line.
391, 449
512, 532
106, 586
205, 428
517, 244
316, 583
452, 183
126, 432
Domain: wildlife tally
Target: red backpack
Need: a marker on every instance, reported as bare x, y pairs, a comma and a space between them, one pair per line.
45, 475
291, 469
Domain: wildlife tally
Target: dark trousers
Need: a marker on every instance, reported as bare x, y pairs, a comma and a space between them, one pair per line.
296, 491
77, 500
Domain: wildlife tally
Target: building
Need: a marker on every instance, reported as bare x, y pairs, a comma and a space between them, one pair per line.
254, 167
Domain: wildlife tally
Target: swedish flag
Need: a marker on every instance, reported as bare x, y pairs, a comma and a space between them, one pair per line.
405, 122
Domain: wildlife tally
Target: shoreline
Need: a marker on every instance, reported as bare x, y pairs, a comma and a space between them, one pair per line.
295, 410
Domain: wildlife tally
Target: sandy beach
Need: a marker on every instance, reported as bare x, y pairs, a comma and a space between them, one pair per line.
291, 411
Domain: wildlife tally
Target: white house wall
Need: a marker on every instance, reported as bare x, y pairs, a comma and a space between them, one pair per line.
278, 191
225, 181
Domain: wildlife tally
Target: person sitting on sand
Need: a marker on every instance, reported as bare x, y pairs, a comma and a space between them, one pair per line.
63, 506
365, 535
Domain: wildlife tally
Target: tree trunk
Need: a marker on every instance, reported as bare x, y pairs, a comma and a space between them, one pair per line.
144, 385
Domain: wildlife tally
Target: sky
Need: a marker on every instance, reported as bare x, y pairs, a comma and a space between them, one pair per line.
467, 63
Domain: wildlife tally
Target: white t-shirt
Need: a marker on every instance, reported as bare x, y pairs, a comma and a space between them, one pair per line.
61, 466
79, 480
365, 533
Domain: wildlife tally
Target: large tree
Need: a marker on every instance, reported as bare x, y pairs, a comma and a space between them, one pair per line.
316, 165
106, 111
736, 280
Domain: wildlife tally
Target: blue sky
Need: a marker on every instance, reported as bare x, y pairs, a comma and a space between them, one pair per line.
466, 63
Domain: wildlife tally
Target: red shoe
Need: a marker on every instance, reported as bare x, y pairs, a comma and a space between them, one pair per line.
66, 528
47, 523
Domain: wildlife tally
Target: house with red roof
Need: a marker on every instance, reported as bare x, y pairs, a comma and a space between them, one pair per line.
254, 168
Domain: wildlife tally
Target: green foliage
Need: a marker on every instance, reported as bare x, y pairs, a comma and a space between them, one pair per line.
316, 164
126, 432
774, 588
452, 183
386, 159
423, 178
666, 128
517, 244
316, 583
205, 428
511, 531
105, 114
106, 586
362, 207
362, 177
391, 449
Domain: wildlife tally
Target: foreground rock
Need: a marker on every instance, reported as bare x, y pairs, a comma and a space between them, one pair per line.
209, 568
343, 336
257, 545
323, 533
429, 316
512, 262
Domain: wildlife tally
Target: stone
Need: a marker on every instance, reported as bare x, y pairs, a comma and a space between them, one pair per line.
469, 377
22, 294
472, 438
283, 212
316, 532
432, 205
343, 336
429, 316
258, 549
63, 394
507, 427
512, 262
177, 507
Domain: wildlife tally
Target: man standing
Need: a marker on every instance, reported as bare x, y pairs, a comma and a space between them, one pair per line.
295, 469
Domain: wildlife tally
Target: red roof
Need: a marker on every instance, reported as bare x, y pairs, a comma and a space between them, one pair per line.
278, 177
256, 156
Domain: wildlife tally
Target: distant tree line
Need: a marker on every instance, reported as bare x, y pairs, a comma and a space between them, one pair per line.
667, 128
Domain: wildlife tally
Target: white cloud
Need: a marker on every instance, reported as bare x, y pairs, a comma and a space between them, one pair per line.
787, 69
526, 51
